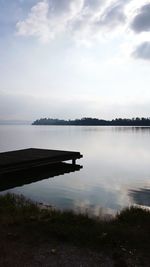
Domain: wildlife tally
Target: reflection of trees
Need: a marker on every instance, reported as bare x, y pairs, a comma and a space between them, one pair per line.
134, 129
22, 177
141, 196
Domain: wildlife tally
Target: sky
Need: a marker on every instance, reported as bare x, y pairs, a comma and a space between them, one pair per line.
74, 58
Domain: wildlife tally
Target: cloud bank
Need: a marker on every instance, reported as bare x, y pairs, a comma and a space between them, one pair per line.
82, 18
87, 20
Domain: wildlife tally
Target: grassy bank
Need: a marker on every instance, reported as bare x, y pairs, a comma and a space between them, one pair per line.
128, 232
130, 228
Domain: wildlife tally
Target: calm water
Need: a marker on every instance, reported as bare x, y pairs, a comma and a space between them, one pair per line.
116, 166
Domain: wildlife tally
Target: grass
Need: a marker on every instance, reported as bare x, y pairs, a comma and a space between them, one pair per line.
26, 228
130, 229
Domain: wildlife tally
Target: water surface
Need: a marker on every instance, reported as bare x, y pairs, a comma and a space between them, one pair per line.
116, 166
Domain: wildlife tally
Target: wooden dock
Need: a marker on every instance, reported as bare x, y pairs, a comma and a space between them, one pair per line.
34, 157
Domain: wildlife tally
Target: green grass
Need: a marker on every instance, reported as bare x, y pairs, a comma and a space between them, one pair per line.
130, 229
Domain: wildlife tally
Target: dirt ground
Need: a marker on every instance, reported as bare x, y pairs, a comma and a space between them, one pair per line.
18, 249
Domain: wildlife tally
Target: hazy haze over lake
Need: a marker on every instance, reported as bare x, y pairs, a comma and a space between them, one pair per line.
116, 165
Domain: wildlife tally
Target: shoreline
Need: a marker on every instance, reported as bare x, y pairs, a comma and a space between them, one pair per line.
23, 223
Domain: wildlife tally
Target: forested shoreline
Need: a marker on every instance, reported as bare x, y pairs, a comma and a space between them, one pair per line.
95, 122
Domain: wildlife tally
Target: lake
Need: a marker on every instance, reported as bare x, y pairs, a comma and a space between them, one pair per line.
115, 173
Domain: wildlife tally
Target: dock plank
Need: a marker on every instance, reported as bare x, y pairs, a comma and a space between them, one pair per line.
34, 156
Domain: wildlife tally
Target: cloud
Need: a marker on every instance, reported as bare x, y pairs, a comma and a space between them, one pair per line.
48, 18
142, 51
88, 20
65, 7
36, 23
141, 22
114, 15
79, 18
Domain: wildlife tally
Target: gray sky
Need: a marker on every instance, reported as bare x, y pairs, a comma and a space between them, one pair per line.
74, 58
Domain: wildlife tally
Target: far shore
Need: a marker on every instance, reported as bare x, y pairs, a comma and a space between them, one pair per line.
143, 122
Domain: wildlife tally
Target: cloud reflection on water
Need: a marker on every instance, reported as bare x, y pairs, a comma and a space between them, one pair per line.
141, 196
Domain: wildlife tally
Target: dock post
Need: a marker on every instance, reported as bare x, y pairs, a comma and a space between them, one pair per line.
74, 161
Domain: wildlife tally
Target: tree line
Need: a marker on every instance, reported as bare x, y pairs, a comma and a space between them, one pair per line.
94, 121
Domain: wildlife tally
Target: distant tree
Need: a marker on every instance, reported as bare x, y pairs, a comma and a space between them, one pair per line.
95, 121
